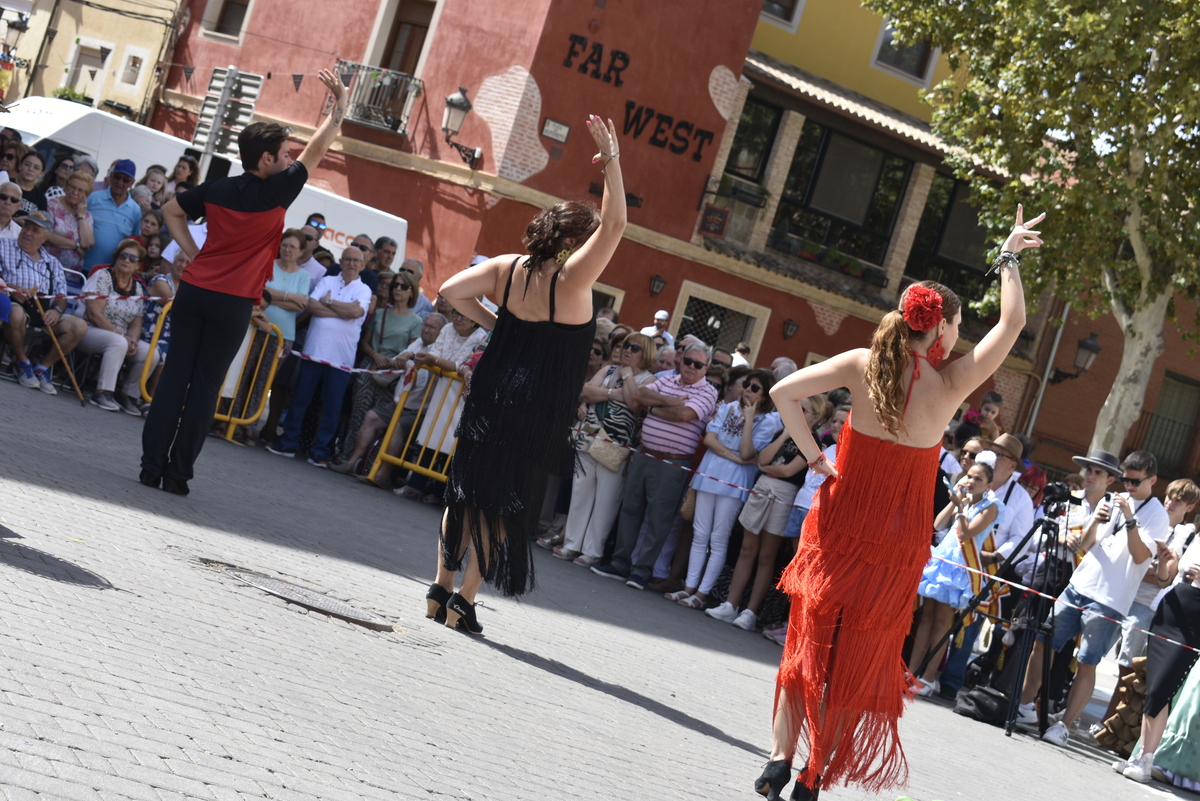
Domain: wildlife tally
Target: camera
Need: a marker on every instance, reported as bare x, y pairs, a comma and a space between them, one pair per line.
1057, 492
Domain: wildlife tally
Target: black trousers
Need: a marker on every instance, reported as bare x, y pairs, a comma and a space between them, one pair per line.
207, 329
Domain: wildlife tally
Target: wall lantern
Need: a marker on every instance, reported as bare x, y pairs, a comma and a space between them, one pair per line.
1089, 348
457, 108
657, 284
790, 327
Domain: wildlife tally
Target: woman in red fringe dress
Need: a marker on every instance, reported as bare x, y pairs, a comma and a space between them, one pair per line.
842, 682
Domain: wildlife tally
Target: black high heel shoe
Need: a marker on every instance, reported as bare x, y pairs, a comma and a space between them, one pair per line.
774, 778
460, 615
435, 602
801, 791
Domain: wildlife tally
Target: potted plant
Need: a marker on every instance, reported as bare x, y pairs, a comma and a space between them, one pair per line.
67, 93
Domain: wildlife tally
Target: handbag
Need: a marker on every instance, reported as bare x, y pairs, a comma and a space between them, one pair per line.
688, 510
606, 453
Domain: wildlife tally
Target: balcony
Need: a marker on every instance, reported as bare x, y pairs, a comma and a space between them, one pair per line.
379, 98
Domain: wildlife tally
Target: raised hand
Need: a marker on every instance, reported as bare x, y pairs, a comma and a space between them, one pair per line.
605, 135
333, 82
1022, 235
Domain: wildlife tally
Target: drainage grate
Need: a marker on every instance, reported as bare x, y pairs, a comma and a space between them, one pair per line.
307, 598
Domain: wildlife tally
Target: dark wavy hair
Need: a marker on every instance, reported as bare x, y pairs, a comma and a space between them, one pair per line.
548, 232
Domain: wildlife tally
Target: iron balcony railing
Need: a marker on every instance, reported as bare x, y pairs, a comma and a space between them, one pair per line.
379, 98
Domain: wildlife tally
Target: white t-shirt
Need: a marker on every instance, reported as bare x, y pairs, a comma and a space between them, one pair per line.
1108, 573
950, 466
333, 339
813, 481
10, 231
1175, 539
651, 331
1015, 524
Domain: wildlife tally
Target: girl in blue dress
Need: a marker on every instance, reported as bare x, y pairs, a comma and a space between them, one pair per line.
975, 514
734, 436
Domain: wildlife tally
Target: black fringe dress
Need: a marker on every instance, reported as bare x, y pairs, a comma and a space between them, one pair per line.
513, 434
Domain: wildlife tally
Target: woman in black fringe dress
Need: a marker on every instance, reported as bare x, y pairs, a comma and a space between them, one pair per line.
516, 420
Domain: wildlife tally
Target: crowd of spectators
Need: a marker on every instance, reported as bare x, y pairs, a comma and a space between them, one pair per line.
686, 484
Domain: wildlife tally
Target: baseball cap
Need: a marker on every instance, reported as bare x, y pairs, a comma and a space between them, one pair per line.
125, 167
661, 314
39, 218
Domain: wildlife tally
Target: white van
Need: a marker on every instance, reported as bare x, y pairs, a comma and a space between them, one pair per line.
58, 128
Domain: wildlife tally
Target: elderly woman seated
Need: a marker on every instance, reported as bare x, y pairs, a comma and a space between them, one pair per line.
115, 329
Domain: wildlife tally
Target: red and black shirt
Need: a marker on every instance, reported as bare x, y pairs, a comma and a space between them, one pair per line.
245, 224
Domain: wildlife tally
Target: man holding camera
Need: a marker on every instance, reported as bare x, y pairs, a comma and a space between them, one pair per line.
1120, 539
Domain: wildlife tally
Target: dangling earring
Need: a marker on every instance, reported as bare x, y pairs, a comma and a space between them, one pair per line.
936, 353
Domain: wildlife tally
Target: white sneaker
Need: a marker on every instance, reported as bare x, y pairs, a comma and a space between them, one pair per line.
1140, 768
1057, 734
1027, 715
1095, 730
1120, 765
928, 689
746, 620
724, 613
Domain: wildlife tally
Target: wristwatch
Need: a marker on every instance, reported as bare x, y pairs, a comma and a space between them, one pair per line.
1133, 521
329, 301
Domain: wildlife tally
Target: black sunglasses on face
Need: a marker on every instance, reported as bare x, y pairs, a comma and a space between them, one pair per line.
10, 198
753, 388
1133, 482
632, 347
693, 363
597, 352
310, 237
128, 257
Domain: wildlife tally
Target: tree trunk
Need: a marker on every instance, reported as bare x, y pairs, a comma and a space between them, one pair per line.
1144, 343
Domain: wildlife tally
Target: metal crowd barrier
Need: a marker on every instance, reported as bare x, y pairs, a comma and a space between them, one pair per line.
245, 415
434, 440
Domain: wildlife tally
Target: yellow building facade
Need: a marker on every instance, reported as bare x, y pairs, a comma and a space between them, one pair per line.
104, 55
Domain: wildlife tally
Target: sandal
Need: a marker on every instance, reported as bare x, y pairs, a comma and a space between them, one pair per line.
550, 542
677, 596
408, 492
565, 553
691, 602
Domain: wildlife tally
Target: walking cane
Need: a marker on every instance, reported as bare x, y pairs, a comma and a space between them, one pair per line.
62, 357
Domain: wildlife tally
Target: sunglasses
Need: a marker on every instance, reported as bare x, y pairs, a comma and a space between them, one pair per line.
10, 198
693, 363
753, 388
597, 352
121, 178
632, 347
310, 238
66, 166
405, 287
970, 455
320, 226
128, 257
1132, 482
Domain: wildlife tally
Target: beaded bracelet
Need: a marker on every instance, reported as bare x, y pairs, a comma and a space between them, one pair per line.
1005, 259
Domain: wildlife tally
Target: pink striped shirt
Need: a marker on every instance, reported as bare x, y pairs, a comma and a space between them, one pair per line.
683, 438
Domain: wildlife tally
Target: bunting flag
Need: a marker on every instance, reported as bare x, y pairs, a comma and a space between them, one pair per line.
187, 72
92, 73
346, 76
104, 54
297, 77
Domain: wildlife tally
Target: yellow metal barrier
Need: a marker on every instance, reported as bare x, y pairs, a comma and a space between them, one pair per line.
453, 394
246, 416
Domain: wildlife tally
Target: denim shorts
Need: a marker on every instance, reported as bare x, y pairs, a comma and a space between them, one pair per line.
1133, 641
795, 522
1099, 633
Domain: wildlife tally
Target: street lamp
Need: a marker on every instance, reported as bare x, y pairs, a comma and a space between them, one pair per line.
657, 284
457, 108
790, 327
1085, 356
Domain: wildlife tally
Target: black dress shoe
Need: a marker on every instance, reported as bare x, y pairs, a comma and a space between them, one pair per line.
149, 479
460, 615
435, 602
173, 486
774, 778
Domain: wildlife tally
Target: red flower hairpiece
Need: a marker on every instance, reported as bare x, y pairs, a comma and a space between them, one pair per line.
922, 308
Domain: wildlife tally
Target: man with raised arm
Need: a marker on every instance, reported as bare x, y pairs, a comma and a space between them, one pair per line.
225, 280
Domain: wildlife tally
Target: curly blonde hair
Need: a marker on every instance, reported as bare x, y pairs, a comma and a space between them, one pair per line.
889, 356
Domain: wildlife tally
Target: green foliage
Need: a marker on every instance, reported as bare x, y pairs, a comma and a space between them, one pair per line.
67, 93
1090, 110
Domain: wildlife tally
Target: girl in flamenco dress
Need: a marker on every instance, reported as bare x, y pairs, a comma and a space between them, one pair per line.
842, 681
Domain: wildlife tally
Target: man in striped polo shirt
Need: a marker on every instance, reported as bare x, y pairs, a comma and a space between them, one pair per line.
679, 407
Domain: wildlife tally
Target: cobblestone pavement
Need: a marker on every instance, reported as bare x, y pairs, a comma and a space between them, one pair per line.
131, 668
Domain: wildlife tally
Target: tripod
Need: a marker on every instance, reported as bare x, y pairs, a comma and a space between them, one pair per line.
1052, 513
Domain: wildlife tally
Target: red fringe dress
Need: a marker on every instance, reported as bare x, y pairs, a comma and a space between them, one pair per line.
852, 583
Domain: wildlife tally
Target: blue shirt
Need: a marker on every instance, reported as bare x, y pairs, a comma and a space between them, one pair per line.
424, 307
728, 425
110, 223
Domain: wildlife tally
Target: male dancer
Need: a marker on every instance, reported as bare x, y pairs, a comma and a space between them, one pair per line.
219, 288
